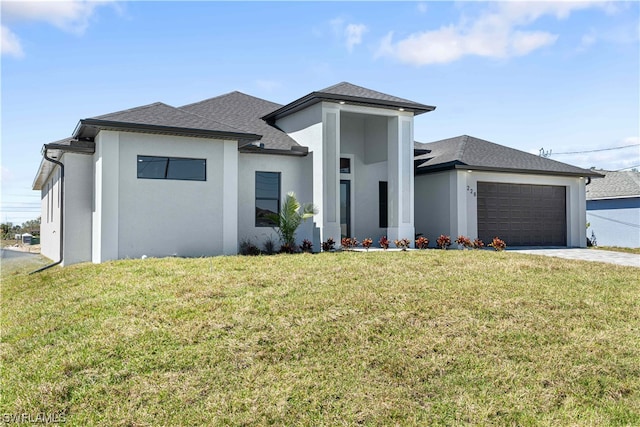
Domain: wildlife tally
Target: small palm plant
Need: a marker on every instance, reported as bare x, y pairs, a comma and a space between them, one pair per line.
291, 215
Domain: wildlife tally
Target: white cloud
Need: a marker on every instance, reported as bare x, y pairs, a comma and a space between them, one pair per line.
422, 7
349, 34
353, 34
72, 16
10, 44
498, 32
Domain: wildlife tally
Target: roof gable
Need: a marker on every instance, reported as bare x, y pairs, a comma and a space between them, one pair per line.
614, 185
474, 153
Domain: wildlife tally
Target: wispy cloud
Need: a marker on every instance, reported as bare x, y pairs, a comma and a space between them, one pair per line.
348, 33
10, 43
353, 34
498, 32
72, 16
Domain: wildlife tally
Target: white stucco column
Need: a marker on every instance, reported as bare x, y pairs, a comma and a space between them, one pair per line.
106, 185
576, 206
330, 174
230, 198
460, 209
400, 178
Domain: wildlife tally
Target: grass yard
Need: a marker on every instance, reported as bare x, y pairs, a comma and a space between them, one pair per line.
619, 249
417, 338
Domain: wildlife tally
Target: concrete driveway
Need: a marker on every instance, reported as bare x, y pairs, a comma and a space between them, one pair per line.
582, 254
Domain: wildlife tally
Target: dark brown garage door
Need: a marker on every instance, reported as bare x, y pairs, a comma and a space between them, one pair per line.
522, 214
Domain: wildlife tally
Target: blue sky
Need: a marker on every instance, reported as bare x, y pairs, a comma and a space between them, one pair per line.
563, 76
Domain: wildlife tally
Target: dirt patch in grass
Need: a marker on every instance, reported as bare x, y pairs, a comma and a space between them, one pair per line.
416, 338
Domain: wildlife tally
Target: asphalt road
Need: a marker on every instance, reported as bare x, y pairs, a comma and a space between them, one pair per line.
11, 255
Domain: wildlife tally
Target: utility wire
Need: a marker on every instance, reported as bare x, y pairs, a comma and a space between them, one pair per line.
595, 151
628, 167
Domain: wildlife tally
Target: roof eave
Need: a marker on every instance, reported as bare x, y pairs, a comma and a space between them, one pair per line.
315, 97
584, 173
46, 167
97, 124
628, 196
40, 176
298, 151
460, 165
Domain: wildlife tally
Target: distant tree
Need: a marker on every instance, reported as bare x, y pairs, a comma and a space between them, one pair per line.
5, 229
32, 226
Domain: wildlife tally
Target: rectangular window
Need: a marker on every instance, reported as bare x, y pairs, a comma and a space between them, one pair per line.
53, 191
59, 188
48, 196
153, 167
345, 165
383, 209
267, 197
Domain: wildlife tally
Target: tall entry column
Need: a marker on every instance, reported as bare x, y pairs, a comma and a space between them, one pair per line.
331, 175
400, 178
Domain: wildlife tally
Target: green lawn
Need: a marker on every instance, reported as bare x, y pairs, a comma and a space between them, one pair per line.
618, 249
417, 338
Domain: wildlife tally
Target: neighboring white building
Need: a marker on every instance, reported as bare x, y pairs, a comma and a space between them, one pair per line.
613, 209
197, 180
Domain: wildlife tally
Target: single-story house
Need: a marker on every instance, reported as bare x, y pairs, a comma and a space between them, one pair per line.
613, 209
197, 180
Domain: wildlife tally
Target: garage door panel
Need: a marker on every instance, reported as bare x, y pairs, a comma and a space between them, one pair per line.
522, 214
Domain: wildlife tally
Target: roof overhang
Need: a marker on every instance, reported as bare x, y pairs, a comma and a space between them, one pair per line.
629, 196
298, 151
461, 166
55, 151
89, 128
315, 97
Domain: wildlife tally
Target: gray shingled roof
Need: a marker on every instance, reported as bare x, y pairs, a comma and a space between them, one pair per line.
349, 89
473, 153
349, 94
614, 185
243, 112
163, 117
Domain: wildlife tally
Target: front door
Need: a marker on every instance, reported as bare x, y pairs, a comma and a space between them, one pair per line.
345, 208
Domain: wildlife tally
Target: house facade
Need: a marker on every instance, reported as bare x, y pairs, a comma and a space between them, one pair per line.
199, 179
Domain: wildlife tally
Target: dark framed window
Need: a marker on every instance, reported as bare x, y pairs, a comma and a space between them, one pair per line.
267, 197
383, 209
154, 167
345, 165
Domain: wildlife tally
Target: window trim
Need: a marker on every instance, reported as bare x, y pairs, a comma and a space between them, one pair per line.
256, 198
166, 169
